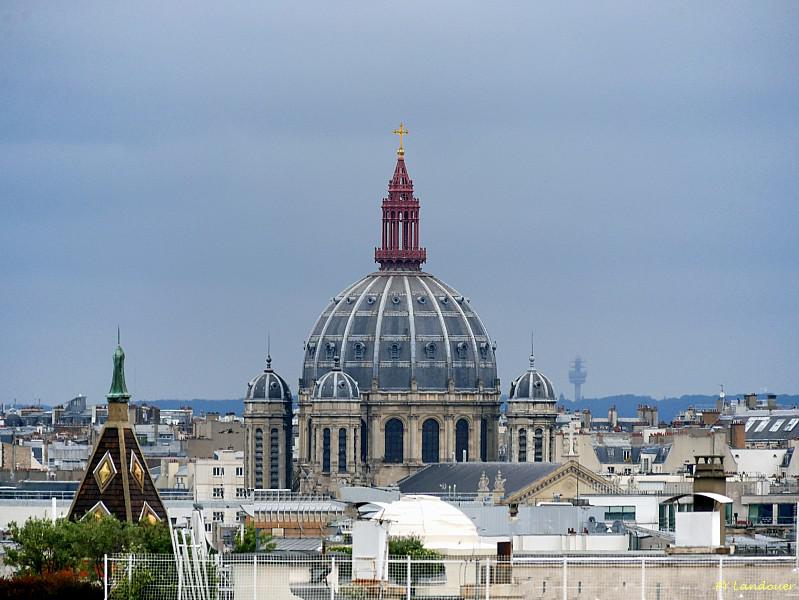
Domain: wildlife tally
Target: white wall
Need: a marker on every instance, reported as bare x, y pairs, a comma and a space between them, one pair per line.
646, 507
22, 510
697, 529
570, 543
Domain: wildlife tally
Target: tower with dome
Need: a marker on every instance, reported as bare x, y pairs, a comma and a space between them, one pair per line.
398, 370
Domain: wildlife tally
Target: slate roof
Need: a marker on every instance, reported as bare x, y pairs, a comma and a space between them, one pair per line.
773, 426
614, 455
436, 478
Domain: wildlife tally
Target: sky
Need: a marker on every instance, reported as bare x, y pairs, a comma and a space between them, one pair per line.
619, 177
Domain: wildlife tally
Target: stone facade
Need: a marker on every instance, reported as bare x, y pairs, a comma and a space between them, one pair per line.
367, 419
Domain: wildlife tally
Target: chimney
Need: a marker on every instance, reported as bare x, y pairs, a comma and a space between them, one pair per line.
613, 417
751, 401
586, 420
710, 417
737, 434
709, 477
771, 401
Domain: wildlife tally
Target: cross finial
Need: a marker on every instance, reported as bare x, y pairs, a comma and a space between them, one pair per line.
400, 132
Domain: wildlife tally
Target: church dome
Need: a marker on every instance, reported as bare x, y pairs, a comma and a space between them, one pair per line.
336, 385
400, 326
532, 385
268, 386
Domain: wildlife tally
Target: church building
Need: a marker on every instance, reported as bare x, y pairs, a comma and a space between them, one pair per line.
398, 372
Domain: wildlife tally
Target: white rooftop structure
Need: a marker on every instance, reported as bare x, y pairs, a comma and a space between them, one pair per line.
440, 525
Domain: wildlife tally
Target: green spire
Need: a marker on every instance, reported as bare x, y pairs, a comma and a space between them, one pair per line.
119, 391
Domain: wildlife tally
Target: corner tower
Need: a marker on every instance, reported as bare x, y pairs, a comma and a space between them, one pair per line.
531, 417
268, 413
117, 481
422, 359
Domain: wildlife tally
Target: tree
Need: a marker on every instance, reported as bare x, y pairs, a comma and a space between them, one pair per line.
148, 538
250, 541
41, 546
427, 565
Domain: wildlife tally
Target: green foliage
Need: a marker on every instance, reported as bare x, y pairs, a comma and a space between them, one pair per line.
133, 588
149, 538
413, 547
52, 586
41, 546
340, 550
251, 542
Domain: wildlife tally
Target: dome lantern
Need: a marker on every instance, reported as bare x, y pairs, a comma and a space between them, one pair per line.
400, 226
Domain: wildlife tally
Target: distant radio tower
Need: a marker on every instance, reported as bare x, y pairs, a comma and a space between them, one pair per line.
577, 375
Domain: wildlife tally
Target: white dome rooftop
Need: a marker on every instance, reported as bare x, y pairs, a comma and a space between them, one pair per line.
440, 525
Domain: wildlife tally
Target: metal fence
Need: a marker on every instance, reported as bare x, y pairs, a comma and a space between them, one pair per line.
268, 577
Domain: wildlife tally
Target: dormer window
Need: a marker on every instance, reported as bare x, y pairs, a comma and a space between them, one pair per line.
484, 350
460, 349
370, 299
394, 351
330, 350
430, 350
311, 349
395, 300
359, 348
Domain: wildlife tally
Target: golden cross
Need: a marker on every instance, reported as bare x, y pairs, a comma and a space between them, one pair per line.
400, 132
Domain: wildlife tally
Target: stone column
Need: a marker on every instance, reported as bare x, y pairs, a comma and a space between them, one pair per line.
356, 459
375, 449
414, 456
450, 445
513, 451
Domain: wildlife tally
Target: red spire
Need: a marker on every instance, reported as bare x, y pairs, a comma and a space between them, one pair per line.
400, 249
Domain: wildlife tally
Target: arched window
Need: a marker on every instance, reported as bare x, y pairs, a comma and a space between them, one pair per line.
259, 458
430, 436
522, 445
364, 440
274, 458
484, 440
395, 432
394, 351
342, 450
326, 451
462, 440
538, 448
330, 350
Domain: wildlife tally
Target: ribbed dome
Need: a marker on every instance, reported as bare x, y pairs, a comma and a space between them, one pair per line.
399, 325
336, 385
532, 385
268, 386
